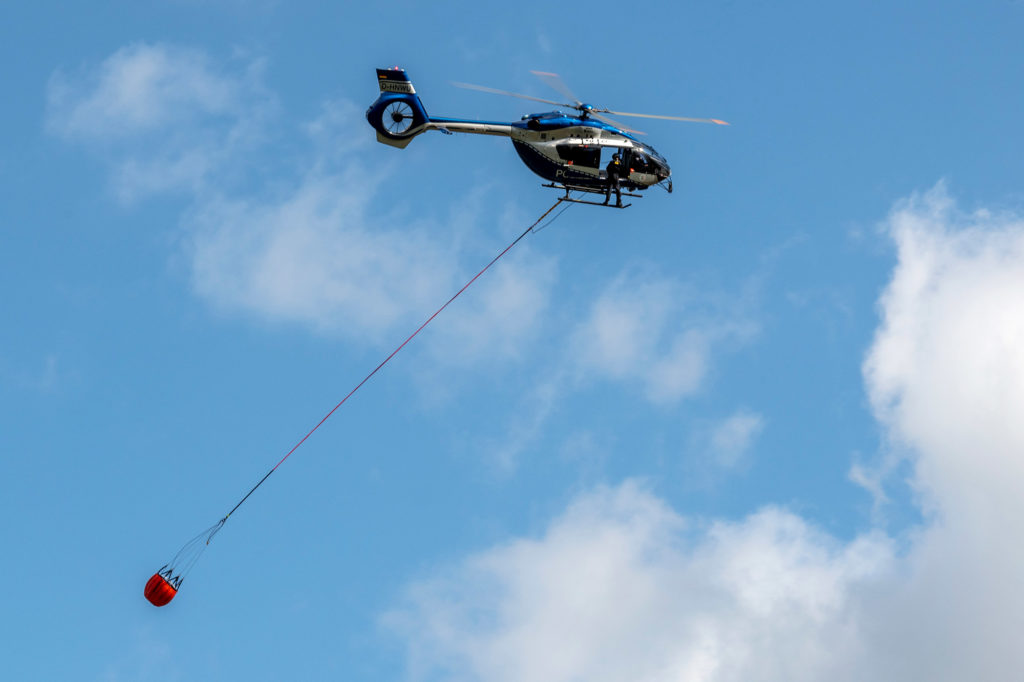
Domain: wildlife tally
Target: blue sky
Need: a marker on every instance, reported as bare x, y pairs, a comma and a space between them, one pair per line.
766, 427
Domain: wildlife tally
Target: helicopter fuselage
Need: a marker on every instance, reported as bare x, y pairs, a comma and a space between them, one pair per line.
568, 149
573, 150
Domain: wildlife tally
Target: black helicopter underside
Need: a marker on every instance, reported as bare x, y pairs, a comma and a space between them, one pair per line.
556, 172
565, 177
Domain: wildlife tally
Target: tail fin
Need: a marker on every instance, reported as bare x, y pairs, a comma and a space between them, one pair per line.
397, 115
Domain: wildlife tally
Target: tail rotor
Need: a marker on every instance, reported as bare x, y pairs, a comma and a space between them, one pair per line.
397, 115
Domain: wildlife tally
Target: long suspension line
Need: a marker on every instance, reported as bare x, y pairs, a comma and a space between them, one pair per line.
384, 362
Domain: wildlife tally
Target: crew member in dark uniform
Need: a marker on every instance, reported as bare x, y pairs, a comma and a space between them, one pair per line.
615, 172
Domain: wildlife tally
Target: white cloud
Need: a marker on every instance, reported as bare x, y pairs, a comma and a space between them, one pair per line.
652, 331
140, 89
946, 377
324, 254
731, 439
314, 249
523, 430
645, 331
946, 373
502, 310
166, 117
620, 586
309, 257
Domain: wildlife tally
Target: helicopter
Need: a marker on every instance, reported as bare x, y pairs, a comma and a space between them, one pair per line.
569, 150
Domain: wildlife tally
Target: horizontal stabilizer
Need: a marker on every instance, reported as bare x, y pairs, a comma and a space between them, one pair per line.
400, 142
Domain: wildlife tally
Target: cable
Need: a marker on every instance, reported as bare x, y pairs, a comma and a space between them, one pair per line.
555, 217
508, 248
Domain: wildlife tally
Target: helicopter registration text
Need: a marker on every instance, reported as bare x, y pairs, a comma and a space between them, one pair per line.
404, 87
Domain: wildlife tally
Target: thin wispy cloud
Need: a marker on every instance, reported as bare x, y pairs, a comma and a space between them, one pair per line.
643, 332
168, 118
730, 440
656, 333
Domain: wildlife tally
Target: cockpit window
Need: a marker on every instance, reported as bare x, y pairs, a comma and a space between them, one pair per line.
639, 162
649, 151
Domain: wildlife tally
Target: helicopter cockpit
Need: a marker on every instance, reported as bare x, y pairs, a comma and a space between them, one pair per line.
643, 159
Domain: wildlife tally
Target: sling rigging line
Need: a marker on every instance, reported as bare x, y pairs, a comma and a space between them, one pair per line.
162, 587
393, 354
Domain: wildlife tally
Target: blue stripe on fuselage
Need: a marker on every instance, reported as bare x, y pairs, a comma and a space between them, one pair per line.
556, 120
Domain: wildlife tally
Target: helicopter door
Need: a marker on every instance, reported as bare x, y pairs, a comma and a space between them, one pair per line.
608, 152
579, 155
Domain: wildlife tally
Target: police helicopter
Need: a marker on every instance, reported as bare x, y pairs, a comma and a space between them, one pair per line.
583, 151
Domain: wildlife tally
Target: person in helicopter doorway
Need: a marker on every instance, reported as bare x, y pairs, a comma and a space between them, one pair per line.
615, 172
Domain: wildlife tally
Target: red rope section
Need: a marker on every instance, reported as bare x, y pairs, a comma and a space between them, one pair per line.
393, 354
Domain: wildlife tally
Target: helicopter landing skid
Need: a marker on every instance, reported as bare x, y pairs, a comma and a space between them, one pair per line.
591, 190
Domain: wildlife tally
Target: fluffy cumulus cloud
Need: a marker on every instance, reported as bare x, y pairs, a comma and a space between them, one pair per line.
620, 586
947, 370
653, 332
946, 377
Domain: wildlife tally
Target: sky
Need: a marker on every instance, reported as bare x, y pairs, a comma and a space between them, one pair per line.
767, 427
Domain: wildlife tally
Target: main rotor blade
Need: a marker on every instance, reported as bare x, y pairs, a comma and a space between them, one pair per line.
669, 118
615, 123
555, 81
495, 91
